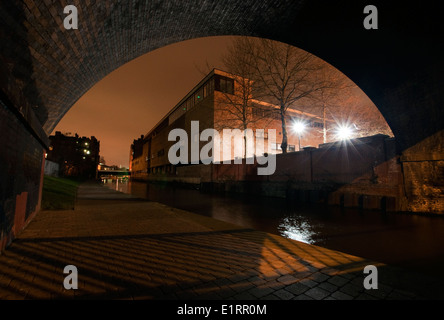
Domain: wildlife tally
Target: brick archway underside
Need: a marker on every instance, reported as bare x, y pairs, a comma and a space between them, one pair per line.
45, 69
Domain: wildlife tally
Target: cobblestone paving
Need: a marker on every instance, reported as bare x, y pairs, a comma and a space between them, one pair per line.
126, 248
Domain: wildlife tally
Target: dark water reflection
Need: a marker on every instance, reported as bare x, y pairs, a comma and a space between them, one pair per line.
407, 240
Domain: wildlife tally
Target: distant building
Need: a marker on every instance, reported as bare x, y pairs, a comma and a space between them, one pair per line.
136, 153
207, 103
76, 156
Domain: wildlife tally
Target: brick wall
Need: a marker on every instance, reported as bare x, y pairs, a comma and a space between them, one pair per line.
21, 176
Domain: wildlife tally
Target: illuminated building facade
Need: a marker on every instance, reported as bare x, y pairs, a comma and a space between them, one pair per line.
212, 103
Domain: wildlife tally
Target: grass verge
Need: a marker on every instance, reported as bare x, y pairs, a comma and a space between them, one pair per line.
59, 193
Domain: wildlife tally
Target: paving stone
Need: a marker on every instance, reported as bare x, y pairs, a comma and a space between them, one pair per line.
222, 282
270, 297
328, 286
283, 271
302, 297
284, 294
275, 285
330, 271
351, 275
257, 280
338, 280
297, 288
317, 293
239, 277
226, 292
259, 292
241, 286
319, 277
351, 289
287, 279
309, 283
358, 281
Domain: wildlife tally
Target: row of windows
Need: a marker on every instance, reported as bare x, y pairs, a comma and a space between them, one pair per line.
160, 153
162, 169
201, 93
218, 83
317, 125
259, 112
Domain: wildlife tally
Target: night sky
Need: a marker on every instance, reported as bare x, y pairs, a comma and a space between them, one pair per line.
131, 100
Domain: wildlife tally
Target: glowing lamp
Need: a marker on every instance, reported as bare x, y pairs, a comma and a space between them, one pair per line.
299, 127
344, 132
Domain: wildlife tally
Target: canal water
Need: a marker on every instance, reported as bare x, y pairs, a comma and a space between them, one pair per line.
407, 240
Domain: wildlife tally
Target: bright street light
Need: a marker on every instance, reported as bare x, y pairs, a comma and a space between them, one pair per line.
299, 127
344, 132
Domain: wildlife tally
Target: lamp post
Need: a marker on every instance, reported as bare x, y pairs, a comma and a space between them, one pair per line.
299, 127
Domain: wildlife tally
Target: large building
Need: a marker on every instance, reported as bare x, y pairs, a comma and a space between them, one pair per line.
215, 103
77, 156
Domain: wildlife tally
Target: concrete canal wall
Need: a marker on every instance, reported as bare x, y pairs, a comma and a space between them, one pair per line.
364, 173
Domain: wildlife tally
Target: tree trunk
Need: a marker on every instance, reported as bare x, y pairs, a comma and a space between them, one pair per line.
245, 144
284, 132
245, 125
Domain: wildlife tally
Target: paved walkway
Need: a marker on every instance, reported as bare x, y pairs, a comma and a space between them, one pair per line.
129, 248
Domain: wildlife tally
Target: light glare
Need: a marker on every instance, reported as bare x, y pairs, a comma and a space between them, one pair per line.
298, 127
344, 132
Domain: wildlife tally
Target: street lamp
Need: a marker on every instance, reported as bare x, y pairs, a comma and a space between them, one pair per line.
299, 128
344, 132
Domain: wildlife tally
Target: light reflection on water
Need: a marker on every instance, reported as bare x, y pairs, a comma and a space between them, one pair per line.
296, 228
404, 239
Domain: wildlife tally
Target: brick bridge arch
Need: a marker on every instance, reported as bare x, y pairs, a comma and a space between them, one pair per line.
45, 69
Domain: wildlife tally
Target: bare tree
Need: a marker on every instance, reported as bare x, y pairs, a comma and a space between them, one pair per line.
288, 78
360, 112
239, 107
284, 74
329, 97
346, 105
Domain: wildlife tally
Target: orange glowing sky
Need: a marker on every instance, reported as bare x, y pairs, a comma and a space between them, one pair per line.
131, 100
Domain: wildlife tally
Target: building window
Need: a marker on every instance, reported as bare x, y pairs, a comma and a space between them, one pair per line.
257, 112
224, 84
276, 146
262, 134
206, 90
317, 125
